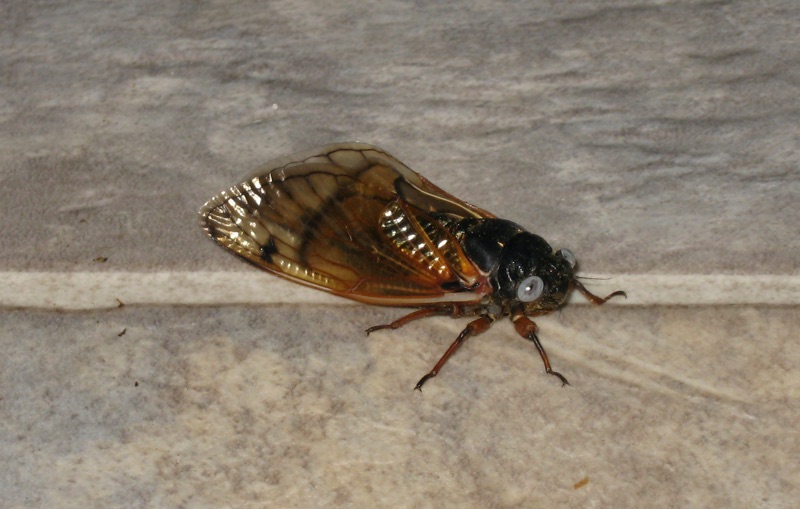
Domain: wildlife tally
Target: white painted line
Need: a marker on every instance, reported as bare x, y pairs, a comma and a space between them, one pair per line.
93, 290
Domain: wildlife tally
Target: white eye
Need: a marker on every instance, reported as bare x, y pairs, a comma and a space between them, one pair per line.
530, 289
569, 256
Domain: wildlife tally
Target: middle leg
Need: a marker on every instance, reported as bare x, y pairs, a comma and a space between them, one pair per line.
474, 327
527, 329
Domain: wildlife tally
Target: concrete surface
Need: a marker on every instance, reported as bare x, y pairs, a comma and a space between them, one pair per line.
657, 140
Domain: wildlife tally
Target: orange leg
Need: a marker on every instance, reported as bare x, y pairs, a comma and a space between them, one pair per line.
453, 311
474, 327
594, 299
527, 329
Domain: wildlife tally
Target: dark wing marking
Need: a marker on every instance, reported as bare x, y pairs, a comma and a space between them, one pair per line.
350, 219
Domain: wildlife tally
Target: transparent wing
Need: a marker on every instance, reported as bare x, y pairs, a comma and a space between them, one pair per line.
349, 219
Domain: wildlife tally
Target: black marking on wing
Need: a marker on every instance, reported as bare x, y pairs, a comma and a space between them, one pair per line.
268, 249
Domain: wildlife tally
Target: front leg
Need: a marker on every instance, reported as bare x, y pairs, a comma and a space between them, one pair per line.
594, 299
527, 329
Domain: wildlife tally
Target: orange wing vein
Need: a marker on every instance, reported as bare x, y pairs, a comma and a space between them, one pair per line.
352, 220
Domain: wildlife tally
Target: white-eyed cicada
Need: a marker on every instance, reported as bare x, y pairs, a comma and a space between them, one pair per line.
352, 220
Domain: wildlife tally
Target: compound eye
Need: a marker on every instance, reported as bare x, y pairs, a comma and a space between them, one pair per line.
530, 289
568, 255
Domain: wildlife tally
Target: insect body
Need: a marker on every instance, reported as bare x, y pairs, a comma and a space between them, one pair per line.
352, 220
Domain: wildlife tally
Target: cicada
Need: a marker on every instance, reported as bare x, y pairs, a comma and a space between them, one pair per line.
352, 220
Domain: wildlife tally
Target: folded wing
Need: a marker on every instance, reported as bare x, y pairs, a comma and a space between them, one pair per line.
349, 219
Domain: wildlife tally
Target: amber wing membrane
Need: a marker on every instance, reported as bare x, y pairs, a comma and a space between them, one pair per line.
350, 219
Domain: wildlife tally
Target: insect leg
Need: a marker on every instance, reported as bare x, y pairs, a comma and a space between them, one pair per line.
527, 329
474, 327
454, 311
594, 299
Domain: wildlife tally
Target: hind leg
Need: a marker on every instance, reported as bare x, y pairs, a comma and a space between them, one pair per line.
450, 310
